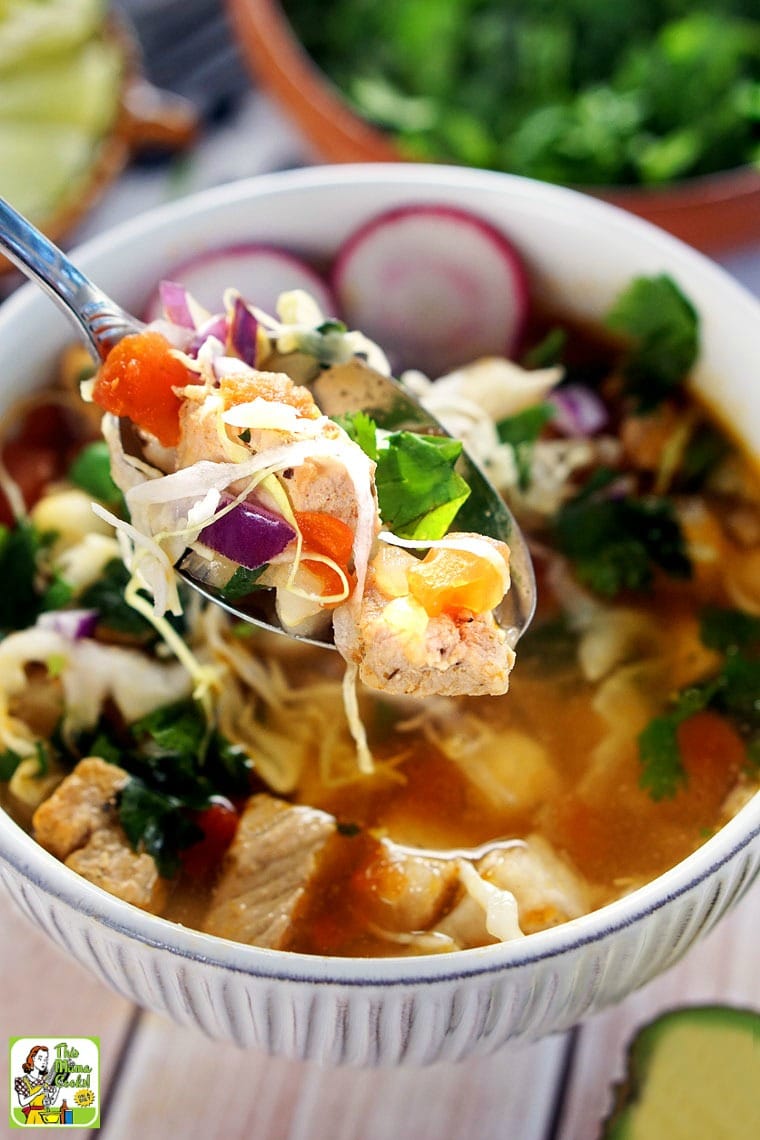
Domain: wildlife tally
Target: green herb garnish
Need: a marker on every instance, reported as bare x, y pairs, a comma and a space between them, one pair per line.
91, 470
615, 543
362, 429
418, 490
106, 595
664, 330
26, 590
9, 762
242, 583
520, 432
733, 692
156, 823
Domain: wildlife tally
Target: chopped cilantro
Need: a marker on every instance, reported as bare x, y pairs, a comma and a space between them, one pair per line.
19, 598
616, 542
705, 449
242, 583
173, 749
43, 759
362, 429
245, 435
659, 752
520, 432
663, 327
91, 470
156, 823
178, 764
734, 692
331, 326
9, 762
106, 595
57, 594
548, 351
725, 629
418, 490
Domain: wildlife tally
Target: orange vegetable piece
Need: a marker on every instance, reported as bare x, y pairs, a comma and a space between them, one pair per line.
268, 386
713, 754
449, 581
138, 380
324, 534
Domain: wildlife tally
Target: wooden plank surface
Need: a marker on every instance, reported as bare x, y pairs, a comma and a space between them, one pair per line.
224, 1091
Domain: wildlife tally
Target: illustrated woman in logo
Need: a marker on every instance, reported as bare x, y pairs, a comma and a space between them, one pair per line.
35, 1090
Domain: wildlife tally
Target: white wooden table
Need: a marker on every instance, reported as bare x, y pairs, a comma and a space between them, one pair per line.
158, 1078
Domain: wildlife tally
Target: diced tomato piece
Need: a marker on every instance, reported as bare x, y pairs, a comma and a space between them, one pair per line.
32, 467
138, 381
450, 581
324, 534
713, 754
218, 824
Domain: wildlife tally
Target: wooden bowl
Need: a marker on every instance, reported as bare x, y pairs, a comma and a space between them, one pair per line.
713, 212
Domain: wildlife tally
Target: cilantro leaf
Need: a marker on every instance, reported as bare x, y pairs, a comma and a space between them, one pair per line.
57, 594
156, 823
9, 762
725, 629
19, 598
91, 470
548, 351
615, 543
659, 751
732, 692
418, 490
664, 329
362, 429
173, 749
242, 583
106, 595
520, 432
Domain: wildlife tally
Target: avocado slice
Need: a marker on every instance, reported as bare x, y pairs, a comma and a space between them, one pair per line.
693, 1074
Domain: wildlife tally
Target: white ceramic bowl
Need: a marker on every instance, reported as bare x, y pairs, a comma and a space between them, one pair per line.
415, 1010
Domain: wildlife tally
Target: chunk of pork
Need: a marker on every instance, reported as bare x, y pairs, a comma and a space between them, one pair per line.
267, 871
79, 825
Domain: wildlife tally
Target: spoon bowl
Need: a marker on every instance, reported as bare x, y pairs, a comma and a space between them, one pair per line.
346, 388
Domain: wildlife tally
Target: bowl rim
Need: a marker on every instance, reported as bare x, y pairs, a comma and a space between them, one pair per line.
28, 860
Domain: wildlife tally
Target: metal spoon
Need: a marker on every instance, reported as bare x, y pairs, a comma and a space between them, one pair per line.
340, 389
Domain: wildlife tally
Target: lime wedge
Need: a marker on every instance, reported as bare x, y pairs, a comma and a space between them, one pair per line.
36, 29
41, 168
79, 89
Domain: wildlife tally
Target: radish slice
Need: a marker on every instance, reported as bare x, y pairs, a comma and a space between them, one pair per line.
258, 272
434, 285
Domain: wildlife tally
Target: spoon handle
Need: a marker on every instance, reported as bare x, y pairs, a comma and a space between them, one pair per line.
102, 321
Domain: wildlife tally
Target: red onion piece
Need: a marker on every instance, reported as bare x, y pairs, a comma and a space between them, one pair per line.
577, 410
243, 329
249, 534
174, 304
71, 624
216, 326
